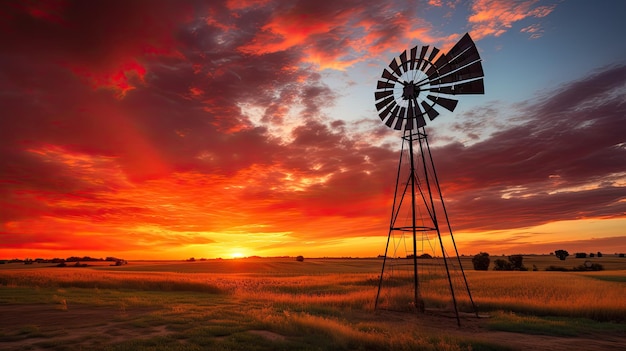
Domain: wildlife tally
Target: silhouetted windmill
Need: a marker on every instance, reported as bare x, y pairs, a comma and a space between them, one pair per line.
413, 86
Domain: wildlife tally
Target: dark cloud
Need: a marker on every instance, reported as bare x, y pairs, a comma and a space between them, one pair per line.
565, 161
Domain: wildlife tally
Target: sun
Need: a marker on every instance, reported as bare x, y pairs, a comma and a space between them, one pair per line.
237, 254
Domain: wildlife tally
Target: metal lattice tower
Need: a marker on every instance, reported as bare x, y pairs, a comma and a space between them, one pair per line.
411, 88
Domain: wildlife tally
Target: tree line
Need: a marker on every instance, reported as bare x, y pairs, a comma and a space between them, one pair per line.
482, 261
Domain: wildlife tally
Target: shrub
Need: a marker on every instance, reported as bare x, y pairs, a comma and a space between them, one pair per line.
581, 255
557, 269
588, 266
481, 261
300, 258
599, 254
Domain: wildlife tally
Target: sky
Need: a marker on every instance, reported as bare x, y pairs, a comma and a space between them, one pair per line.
175, 129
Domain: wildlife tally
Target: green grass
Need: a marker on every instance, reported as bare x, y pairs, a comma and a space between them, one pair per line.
317, 304
609, 278
555, 326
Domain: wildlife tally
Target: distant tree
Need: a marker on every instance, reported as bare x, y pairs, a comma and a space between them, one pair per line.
561, 254
425, 256
502, 265
191, 259
621, 255
592, 254
599, 254
481, 261
300, 258
580, 255
517, 263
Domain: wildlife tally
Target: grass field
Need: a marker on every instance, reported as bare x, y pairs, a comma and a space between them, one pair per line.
318, 304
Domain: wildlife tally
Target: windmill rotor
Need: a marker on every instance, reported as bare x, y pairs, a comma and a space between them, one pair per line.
414, 86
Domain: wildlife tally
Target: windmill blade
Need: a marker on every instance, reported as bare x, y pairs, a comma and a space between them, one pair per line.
388, 75
382, 94
404, 61
383, 103
432, 113
413, 58
384, 85
462, 54
468, 56
423, 58
465, 88
393, 116
387, 111
475, 70
419, 117
448, 104
471, 87
394, 67
462, 45
433, 54
439, 68
401, 118
422, 54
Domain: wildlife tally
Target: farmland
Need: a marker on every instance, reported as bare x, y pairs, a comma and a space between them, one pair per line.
282, 304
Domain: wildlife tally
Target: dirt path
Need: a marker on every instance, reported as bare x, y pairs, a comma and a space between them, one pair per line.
475, 328
35, 327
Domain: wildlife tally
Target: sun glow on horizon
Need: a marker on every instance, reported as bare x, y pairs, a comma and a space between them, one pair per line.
237, 254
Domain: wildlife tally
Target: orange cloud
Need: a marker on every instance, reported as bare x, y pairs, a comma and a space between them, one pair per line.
494, 18
331, 36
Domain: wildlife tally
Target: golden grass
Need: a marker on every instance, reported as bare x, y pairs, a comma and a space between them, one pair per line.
312, 305
567, 294
595, 295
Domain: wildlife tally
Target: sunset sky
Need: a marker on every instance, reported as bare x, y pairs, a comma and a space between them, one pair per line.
172, 129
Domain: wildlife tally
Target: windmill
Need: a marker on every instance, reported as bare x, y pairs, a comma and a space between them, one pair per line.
412, 87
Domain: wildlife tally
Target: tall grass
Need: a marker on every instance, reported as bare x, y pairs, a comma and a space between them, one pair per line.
568, 294
315, 310
551, 293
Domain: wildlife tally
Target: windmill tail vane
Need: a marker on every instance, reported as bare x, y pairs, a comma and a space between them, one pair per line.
414, 85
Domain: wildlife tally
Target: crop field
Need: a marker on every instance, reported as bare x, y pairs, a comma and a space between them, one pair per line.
318, 304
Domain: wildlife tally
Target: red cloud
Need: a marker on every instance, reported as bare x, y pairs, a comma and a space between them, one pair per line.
180, 159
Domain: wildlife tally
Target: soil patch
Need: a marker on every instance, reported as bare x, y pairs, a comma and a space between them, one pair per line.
27, 326
32, 326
